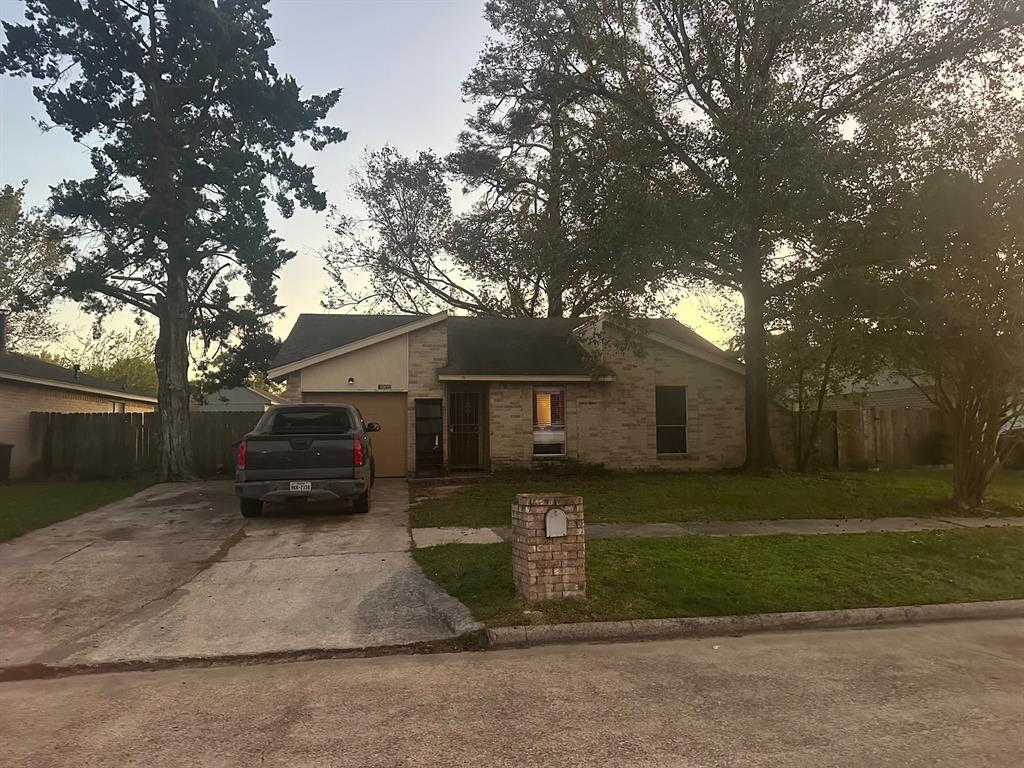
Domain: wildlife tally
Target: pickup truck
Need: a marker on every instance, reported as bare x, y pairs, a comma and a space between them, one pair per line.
308, 451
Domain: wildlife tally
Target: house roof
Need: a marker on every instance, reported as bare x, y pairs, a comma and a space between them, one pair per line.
243, 395
669, 326
314, 334
236, 399
520, 346
33, 370
670, 332
884, 399
484, 346
886, 390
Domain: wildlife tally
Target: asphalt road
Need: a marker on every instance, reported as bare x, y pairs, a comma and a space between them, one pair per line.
175, 571
932, 695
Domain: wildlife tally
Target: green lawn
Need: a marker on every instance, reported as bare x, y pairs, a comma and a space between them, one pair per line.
27, 506
703, 576
680, 497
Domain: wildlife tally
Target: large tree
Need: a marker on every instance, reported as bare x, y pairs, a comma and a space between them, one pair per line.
33, 250
759, 107
191, 129
950, 312
569, 209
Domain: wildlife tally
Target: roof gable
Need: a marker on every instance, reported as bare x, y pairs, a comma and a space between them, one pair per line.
317, 338
671, 333
315, 334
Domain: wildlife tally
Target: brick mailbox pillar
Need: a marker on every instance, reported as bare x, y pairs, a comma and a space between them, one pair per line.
548, 549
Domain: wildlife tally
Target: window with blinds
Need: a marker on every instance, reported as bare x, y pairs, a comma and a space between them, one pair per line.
548, 421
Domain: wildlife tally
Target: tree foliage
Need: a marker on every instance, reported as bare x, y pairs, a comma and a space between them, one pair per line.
33, 251
124, 357
950, 309
191, 129
570, 214
760, 108
820, 344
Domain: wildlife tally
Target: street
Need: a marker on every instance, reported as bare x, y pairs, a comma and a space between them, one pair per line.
939, 694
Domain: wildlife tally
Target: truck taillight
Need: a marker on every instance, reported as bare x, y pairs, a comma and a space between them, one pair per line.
358, 454
240, 459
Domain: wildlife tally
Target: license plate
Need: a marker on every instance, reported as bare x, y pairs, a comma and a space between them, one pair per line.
304, 486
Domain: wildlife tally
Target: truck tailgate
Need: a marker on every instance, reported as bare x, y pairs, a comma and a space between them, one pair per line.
299, 457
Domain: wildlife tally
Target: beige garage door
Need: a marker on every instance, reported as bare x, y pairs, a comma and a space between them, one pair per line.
386, 408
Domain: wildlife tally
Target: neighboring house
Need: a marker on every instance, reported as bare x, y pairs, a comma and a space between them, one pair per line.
238, 399
28, 384
463, 393
887, 391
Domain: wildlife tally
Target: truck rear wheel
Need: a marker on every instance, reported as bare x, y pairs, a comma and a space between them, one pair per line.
251, 507
362, 503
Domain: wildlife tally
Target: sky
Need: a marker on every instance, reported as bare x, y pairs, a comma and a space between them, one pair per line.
400, 64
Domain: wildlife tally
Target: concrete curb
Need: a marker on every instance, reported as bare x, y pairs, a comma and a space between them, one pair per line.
713, 626
470, 641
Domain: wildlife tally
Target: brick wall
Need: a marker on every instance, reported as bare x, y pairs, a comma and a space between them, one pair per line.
510, 423
293, 388
613, 423
428, 351
18, 400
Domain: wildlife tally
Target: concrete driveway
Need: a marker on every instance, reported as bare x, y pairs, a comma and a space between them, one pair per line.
906, 697
175, 572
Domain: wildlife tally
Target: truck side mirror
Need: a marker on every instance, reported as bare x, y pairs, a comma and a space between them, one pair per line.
373, 426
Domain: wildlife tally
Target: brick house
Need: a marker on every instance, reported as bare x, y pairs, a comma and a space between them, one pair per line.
464, 393
29, 385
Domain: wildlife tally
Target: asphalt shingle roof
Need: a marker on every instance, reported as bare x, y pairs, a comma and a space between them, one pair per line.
33, 367
520, 346
481, 346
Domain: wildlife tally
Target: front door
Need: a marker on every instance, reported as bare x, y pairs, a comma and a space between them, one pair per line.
464, 422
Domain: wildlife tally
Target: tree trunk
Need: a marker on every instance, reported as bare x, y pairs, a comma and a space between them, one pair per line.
172, 377
975, 454
555, 241
799, 436
760, 454
805, 455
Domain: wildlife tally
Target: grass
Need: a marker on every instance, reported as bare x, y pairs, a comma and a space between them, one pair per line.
626, 497
27, 506
702, 576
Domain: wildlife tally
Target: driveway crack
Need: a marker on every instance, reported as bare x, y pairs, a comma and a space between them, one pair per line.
62, 559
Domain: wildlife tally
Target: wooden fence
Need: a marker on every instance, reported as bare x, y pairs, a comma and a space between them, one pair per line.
120, 444
890, 438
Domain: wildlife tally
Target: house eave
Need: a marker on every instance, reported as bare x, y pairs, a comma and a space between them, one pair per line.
52, 384
521, 377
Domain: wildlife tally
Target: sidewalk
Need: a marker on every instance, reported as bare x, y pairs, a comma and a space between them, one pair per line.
431, 537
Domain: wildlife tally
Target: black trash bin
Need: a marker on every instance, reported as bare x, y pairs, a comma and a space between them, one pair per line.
5, 461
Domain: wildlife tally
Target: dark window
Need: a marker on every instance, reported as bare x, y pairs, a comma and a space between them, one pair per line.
429, 434
670, 416
312, 422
